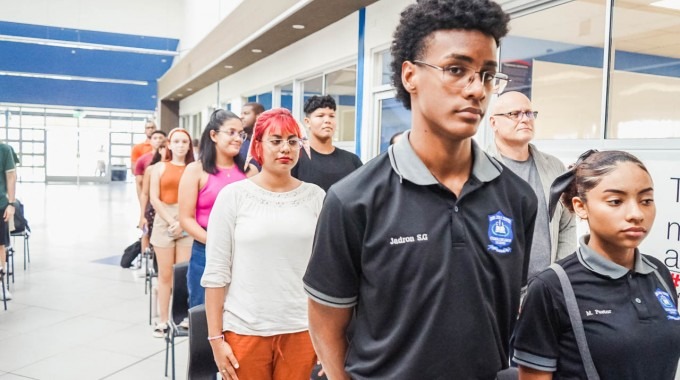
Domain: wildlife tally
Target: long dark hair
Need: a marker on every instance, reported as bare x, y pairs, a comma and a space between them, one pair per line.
208, 151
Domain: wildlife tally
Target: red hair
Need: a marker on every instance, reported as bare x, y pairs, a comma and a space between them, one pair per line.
277, 121
190, 154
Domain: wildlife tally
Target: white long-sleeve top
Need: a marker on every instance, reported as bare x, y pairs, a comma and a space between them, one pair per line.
259, 242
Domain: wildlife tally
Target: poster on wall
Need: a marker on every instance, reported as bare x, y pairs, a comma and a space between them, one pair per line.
520, 76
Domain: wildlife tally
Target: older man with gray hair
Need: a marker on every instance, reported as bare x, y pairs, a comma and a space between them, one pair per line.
512, 120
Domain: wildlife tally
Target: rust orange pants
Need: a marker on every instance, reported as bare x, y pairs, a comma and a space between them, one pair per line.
278, 357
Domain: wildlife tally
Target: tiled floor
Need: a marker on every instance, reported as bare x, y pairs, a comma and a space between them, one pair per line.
76, 314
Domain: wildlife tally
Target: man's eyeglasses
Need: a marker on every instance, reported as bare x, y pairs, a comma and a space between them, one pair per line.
293, 142
458, 76
517, 115
234, 133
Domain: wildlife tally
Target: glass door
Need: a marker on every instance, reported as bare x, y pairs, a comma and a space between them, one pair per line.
77, 149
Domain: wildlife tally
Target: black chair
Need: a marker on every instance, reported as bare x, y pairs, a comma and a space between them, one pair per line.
9, 259
25, 235
151, 273
21, 230
179, 309
2, 283
201, 364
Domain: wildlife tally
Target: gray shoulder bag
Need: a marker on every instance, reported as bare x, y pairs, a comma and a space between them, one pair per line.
576, 322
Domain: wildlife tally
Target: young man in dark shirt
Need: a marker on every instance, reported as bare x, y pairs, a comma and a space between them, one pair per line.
328, 164
424, 249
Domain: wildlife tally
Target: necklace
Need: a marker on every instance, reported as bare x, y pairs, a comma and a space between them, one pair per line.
228, 170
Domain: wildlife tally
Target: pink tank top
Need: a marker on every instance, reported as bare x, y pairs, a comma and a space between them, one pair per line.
208, 194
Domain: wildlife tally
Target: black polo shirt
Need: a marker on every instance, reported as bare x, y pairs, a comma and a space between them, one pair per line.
631, 323
435, 279
325, 169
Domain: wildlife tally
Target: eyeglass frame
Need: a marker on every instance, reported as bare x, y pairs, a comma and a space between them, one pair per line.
509, 115
502, 78
232, 132
296, 146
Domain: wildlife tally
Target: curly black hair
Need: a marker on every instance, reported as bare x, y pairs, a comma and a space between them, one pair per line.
419, 20
315, 102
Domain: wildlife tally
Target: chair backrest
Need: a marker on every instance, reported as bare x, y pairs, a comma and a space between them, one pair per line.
201, 364
180, 293
20, 222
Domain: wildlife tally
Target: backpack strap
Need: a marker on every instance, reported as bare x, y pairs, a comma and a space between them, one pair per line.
663, 282
576, 322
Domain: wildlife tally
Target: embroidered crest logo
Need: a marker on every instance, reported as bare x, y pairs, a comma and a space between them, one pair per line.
667, 304
500, 233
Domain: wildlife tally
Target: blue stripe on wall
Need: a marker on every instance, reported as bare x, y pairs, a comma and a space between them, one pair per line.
77, 93
88, 36
360, 81
32, 58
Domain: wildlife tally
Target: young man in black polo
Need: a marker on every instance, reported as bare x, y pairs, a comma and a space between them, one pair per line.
327, 164
425, 248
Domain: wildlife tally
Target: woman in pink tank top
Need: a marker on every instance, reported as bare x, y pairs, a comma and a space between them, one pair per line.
218, 166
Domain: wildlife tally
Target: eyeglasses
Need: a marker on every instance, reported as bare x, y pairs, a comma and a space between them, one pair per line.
461, 77
517, 115
234, 133
293, 142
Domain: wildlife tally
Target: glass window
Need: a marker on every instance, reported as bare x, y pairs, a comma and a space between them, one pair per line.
341, 85
286, 100
393, 118
384, 62
265, 99
645, 80
310, 87
33, 120
13, 134
120, 138
557, 62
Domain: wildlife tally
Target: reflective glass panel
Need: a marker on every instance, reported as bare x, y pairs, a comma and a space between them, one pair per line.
557, 62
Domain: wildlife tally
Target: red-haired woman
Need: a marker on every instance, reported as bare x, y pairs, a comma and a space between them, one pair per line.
171, 244
259, 241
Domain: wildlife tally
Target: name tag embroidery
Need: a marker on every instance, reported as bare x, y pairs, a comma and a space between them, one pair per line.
407, 239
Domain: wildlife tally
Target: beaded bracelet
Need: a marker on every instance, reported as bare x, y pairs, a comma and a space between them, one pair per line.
216, 337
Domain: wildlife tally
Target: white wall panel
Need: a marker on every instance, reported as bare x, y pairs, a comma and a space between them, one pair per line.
159, 18
200, 17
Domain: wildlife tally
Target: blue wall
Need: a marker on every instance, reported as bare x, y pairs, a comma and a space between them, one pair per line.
40, 59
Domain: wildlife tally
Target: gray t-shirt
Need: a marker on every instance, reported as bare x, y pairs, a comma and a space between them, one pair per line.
540, 248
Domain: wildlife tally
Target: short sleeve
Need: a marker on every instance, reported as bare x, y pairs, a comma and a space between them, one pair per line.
139, 166
8, 163
537, 332
333, 272
219, 247
357, 161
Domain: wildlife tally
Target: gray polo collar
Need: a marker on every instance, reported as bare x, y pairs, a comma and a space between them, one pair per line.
406, 163
594, 262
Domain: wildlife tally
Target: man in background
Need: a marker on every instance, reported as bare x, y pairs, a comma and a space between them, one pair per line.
8, 183
328, 164
144, 147
512, 120
249, 113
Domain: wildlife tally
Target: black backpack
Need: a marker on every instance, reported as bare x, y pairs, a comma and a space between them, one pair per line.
130, 254
20, 223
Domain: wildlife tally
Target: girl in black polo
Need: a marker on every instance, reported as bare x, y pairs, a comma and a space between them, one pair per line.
631, 323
